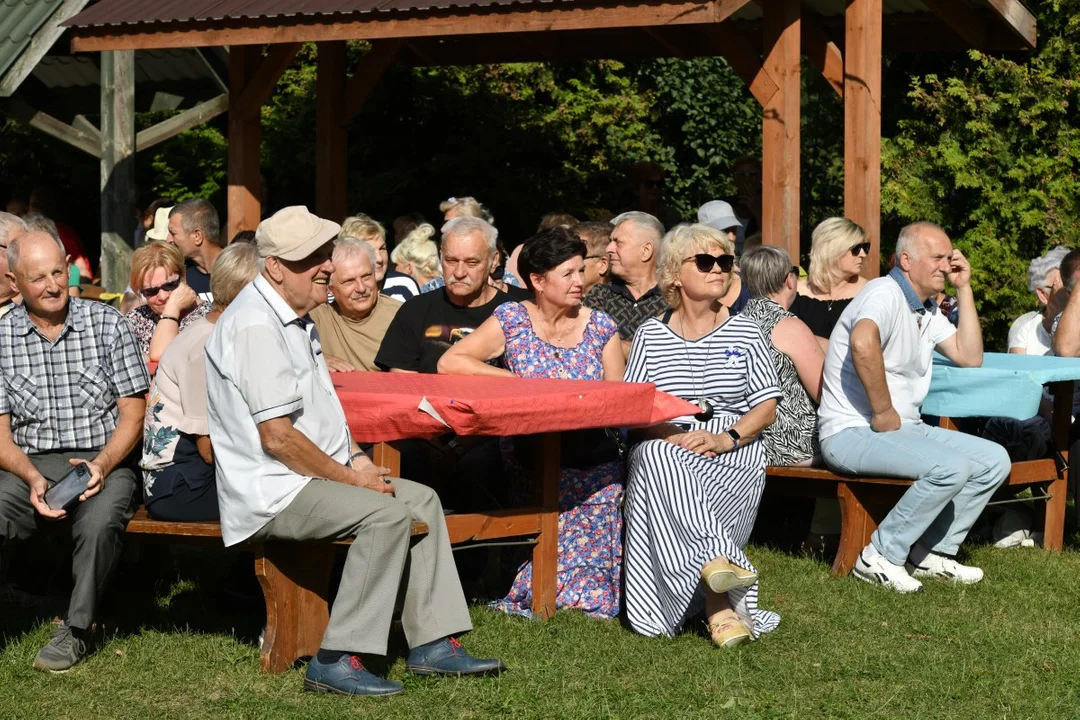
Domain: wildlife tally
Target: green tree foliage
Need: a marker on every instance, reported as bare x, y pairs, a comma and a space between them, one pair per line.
991, 153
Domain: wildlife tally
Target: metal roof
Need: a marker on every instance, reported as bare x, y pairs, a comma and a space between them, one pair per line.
19, 20
151, 66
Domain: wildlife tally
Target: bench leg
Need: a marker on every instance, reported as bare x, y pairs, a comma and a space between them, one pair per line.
856, 528
1054, 513
546, 553
294, 578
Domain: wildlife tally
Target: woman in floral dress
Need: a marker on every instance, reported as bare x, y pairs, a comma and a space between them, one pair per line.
556, 337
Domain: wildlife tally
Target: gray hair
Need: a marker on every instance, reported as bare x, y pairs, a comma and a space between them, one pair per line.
10, 226
349, 247
235, 267
641, 219
907, 242
1040, 267
765, 269
36, 222
467, 224
13, 248
198, 213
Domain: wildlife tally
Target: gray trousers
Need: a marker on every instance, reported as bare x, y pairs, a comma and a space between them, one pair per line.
434, 603
96, 526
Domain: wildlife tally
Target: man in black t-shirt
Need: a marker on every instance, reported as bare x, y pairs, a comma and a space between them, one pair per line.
428, 324
195, 229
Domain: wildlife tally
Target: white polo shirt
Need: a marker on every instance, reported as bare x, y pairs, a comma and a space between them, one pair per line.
264, 362
908, 339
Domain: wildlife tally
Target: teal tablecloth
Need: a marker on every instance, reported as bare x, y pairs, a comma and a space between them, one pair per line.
1005, 386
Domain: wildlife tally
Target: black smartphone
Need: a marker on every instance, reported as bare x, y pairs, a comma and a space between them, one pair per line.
65, 493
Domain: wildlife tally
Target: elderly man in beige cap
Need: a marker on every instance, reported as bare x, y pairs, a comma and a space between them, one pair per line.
288, 469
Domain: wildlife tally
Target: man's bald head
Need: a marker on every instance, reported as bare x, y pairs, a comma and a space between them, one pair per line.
37, 242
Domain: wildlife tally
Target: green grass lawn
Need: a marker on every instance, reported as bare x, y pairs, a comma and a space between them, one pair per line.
1007, 648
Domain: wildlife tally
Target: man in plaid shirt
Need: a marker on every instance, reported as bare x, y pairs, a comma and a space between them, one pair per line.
72, 386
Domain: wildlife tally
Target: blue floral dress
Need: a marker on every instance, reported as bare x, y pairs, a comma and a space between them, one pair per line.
590, 519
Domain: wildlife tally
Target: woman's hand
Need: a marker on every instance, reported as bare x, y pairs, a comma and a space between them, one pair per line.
703, 442
182, 299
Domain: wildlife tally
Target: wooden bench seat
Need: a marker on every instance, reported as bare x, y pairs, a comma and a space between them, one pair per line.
294, 577
865, 501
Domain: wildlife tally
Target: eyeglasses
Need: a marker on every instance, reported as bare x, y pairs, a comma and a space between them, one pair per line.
796, 270
653, 184
745, 173
705, 262
861, 247
602, 256
167, 287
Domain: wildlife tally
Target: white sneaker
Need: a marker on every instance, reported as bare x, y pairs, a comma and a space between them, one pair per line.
943, 566
878, 570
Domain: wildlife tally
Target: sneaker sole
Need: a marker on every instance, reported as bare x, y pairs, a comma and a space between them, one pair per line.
54, 671
721, 581
874, 579
318, 687
919, 572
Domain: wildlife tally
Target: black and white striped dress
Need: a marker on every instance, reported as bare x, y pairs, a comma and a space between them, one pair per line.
682, 509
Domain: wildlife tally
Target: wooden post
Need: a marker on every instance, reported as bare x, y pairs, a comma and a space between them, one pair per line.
245, 136
117, 167
780, 161
331, 146
862, 123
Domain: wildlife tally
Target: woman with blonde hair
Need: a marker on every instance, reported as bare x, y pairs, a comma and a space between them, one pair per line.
157, 274
464, 207
695, 483
838, 252
417, 255
391, 282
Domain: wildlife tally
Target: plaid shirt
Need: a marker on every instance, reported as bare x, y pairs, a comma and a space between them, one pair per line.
62, 395
629, 312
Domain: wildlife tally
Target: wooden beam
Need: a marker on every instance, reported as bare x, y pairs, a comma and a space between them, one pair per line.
49, 125
180, 122
45, 37
382, 25
671, 49
862, 123
215, 62
81, 123
366, 76
263, 79
964, 21
117, 167
331, 145
822, 52
780, 132
245, 141
744, 60
1019, 19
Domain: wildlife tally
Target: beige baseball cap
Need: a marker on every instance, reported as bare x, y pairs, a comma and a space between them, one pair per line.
160, 231
294, 233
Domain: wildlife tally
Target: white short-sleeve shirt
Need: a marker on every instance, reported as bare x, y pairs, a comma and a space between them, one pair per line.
264, 362
908, 339
1027, 331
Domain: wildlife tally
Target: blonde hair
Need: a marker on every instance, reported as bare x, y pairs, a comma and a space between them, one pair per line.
466, 207
362, 227
681, 242
830, 240
235, 267
155, 254
419, 249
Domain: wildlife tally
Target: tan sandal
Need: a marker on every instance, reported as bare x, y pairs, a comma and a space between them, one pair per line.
721, 576
729, 632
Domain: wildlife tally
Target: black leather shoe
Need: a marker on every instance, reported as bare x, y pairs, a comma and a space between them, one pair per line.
447, 657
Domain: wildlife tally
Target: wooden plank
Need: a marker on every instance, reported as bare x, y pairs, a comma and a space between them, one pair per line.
546, 553
49, 125
263, 78
494, 524
366, 76
862, 123
822, 52
117, 167
331, 145
743, 59
387, 456
780, 136
180, 122
448, 22
295, 579
82, 124
245, 141
1018, 18
45, 37
964, 21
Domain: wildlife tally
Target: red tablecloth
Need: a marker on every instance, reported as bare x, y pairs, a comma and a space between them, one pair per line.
385, 406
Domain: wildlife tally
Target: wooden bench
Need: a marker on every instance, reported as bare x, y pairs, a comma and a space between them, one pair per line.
294, 577
865, 501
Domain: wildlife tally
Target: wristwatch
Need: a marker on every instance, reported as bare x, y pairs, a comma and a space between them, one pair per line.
735, 436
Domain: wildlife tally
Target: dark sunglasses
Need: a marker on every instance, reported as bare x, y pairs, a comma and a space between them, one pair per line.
167, 287
795, 270
705, 262
864, 247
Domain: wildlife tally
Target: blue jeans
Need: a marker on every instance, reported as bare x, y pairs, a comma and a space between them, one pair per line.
955, 476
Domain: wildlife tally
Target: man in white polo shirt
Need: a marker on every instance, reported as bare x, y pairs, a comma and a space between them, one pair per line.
287, 468
877, 374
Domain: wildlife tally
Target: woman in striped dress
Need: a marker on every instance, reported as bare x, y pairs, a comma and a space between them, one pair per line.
695, 484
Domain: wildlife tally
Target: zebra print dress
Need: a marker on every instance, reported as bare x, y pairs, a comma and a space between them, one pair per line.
683, 509
793, 438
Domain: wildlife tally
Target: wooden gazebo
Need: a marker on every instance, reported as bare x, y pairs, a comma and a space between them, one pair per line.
763, 40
